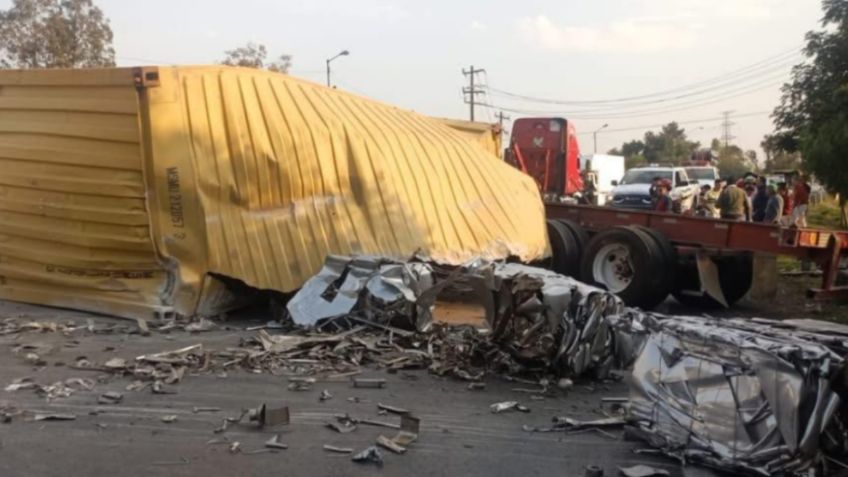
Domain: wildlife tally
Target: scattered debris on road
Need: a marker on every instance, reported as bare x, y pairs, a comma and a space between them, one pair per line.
505, 406
274, 443
338, 450
642, 471
370, 455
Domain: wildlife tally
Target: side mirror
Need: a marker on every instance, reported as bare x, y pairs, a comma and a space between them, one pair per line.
614, 183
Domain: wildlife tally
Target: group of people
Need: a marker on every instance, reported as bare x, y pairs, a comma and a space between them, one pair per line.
749, 200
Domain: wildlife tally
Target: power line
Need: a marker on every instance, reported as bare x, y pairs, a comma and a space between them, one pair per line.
641, 113
750, 79
778, 61
693, 121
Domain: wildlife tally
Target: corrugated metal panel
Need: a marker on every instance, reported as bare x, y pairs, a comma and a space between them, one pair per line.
288, 171
124, 194
74, 228
486, 134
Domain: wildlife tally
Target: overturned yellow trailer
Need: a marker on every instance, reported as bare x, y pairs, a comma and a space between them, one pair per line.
127, 191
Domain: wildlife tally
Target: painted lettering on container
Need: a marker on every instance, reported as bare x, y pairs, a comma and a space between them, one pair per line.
175, 198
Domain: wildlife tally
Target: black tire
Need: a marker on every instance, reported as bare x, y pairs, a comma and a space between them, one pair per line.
645, 289
669, 254
735, 277
578, 232
565, 252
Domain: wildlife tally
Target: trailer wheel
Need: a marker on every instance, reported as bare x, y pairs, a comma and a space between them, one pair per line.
669, 254
735, 277
565, 251
578, 232
627, 262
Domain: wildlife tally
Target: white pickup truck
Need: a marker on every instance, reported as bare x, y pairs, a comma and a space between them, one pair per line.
634, 189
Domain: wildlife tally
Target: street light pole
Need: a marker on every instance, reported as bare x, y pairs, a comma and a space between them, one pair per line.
595, 136
342, 53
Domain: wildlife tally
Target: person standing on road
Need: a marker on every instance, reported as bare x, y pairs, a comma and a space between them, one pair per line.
774, 208
800, 199
759, 202
663, 201
734, 203
712, 198
783, 190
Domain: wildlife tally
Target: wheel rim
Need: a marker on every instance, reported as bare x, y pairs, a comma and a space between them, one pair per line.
613, 267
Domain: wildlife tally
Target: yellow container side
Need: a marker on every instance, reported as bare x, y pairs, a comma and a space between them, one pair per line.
124, 190
487, 135
74, 227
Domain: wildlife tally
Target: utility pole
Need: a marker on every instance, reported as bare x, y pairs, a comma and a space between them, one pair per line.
501, 118
471, 90
726, 125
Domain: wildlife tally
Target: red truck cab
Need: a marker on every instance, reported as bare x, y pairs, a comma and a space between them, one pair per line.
546, 149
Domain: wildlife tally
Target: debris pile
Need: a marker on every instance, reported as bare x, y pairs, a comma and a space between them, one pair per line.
747, 397
532, 319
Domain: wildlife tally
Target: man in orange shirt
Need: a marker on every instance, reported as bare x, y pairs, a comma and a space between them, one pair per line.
800, 201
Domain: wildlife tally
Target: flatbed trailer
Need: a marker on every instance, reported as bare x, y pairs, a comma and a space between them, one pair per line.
645, 256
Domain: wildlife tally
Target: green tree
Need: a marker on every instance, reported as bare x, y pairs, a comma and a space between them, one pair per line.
55, 34
254, 55
670, 145
812, 112
777, 157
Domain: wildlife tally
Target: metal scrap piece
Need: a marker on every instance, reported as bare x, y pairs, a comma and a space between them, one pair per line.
169, 418
325, 396
391, 409
408, 433
338, 450
55, 417
274, 443
199, 409
342, 427
266, 416
642, 471
110, 397
371, 455
389, 444
505, 406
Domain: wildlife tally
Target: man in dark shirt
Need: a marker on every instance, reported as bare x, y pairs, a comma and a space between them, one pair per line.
759, 203
774, 208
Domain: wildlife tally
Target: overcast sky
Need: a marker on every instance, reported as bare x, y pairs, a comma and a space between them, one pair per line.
410, 52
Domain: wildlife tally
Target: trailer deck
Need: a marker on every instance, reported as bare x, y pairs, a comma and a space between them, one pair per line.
697, 236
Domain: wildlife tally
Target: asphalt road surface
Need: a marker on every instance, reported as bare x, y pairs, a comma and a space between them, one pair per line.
459, 435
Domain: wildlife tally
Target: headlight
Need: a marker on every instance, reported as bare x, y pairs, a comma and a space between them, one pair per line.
617, 199
646, 200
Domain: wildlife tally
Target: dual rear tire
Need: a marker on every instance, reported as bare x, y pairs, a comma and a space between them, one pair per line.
639, 265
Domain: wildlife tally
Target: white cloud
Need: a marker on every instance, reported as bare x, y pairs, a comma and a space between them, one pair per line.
644, 34
714, 9
476, 25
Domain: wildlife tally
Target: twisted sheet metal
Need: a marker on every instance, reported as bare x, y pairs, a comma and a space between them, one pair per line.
748, 397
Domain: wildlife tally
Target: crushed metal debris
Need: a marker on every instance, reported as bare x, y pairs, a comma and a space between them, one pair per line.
753, 397
750, 397
371, 455
642, 471
505, 406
